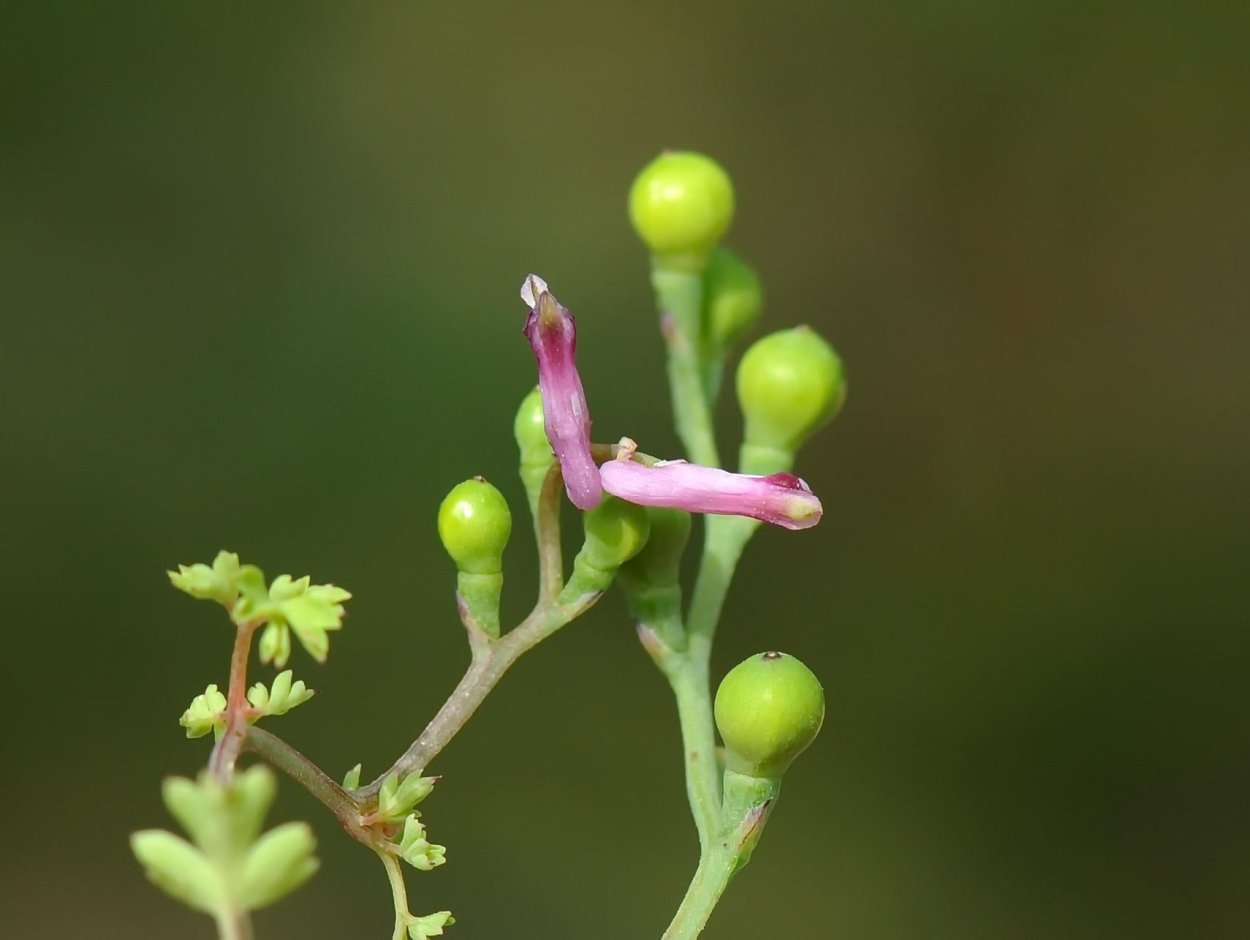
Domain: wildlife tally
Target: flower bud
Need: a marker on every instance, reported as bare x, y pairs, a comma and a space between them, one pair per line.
474, 524
789, 384
530, 430
768, 710
616, 531
680, 205
734, 297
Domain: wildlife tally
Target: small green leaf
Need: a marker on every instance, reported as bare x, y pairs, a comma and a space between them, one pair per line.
430, 925
281, 698
230, 864
416, 850
178, 868
275, 644
188, 803
396, 799
253, 602
284, 587
207, 712
217, 582
351, 779
278, 863
249, 799
258, 697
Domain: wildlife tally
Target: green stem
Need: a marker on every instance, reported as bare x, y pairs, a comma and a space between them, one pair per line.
491, 659
308, 775
688, 677
709, 883
725, 538
688, 670
399, 893
679, 295
547, 534
748, 803
234, 925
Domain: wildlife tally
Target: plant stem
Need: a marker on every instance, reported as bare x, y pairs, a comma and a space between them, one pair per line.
308, 775
226, 750
234, 925
748, 803
489, 663
725, 538
547, 535
399, 893
679, 295
709, 883
689, 680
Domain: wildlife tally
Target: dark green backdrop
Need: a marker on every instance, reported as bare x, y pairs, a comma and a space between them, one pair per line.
258, 273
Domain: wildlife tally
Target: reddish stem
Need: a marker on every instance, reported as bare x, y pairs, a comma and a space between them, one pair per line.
226, 751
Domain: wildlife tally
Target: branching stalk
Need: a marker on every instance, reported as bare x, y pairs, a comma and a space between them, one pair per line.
489, 663
226, 750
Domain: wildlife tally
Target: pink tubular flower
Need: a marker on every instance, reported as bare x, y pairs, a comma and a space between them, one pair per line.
781, 499
553, 337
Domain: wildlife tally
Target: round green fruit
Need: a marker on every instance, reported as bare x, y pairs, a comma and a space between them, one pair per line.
789, 384
474, 523
768, 710
681, 205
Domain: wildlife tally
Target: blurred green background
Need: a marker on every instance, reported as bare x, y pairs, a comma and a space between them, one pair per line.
259, 268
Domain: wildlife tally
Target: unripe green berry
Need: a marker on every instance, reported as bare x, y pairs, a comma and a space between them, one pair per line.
530, 430
734, 297
768, 710
680, 205
474, 523
616, 531
659, 561
789, 384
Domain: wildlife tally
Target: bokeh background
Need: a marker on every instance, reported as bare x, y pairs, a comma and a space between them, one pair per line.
259, 268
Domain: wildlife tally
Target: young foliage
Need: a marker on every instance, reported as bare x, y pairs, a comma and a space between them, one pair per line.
279, 698
227, 866
207, 711
416, 850
397, 797
287, 605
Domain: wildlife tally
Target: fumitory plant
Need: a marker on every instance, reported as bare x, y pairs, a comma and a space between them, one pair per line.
636, 515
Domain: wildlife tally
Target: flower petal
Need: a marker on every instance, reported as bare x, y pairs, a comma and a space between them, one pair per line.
552, 333
780, 499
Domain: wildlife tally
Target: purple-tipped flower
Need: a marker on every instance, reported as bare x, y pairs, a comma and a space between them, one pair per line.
553, 337
780, 499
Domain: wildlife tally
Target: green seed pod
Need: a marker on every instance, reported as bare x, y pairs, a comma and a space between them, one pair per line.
734, 297
530, 432
474, 523
616, 531
768, 710
789, 384
680, 205
651, 579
